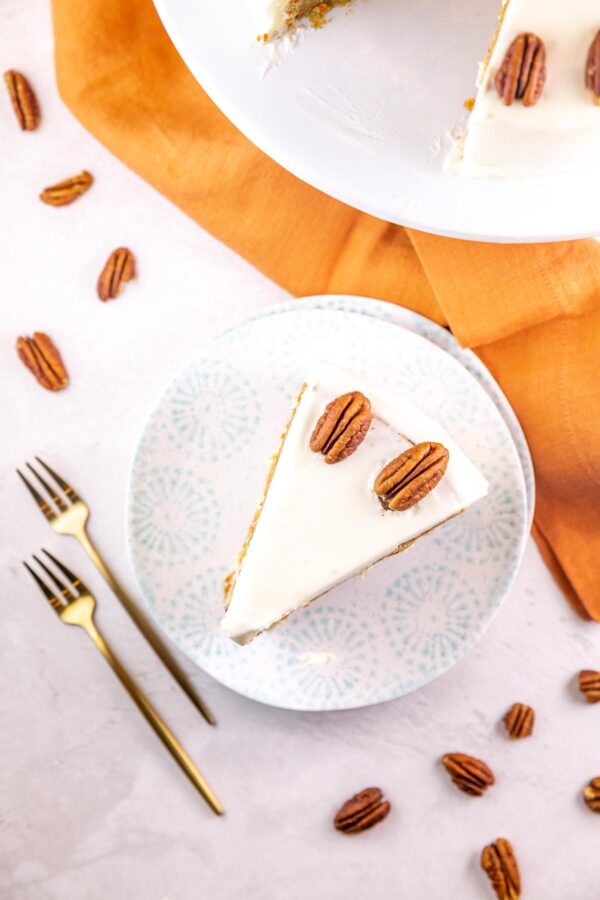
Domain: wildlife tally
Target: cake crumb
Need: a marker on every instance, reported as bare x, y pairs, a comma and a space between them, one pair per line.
317, 16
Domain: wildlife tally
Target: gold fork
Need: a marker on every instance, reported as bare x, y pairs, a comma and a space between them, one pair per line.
68, 514
76, 607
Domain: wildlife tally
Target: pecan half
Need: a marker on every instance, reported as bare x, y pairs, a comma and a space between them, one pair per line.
591, 795
42, 358
119, 267
23, 100
342, 427
499, 863
522, 74
470, 775
519, 720
362, 811
592, 68
589, 684
64, 192
411, 476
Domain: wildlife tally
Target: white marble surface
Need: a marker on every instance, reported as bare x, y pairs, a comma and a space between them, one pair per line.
91, 805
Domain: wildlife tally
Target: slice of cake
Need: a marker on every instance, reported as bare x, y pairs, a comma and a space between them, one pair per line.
536, 110
361, 473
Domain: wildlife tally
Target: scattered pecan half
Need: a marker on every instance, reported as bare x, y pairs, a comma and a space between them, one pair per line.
470, 775
342, 427
119, 267
411, 476
42, 358
519, 720
65, 192
592, 68
522, 74
499, 863
589, 684
362, 811
591, 795
23, 99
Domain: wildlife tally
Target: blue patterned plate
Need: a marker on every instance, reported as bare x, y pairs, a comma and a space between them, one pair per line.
199, 472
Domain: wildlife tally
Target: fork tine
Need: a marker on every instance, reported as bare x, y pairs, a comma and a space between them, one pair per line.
76, 582
49, 489
52, 600
45, 507
69, 491
66, 593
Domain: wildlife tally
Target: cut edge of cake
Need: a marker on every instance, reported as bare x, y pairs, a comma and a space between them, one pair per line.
231, 578
278, 17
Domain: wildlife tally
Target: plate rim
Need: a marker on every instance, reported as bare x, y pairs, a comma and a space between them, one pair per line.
246, 690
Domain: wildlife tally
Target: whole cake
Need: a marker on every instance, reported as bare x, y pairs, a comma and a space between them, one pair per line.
537, 108
360, 475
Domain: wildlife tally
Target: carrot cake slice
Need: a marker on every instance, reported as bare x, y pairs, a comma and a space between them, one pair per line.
361, 473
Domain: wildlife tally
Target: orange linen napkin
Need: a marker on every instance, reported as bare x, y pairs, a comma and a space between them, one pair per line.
532, 312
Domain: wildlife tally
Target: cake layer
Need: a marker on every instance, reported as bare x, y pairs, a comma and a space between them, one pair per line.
562, 131
273, 17
319, 523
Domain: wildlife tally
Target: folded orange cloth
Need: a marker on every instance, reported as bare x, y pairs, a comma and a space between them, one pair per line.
532, 312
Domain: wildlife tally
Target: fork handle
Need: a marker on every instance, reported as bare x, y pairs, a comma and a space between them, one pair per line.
138, 618
155, 720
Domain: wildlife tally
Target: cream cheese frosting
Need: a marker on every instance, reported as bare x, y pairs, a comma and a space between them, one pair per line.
562, 131
268, 15
320, 524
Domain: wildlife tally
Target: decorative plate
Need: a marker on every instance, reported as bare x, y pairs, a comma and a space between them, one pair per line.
199, 471
405, 318
363, 108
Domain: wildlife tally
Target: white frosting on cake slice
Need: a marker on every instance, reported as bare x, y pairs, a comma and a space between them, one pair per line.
322, 523
561, 132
